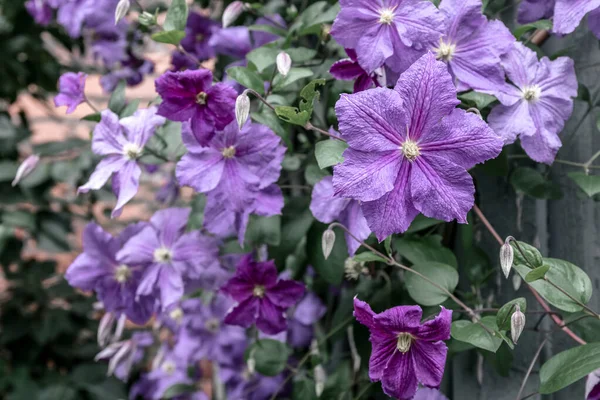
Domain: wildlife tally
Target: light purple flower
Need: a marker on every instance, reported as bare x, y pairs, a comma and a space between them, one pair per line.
569, 13
404, 351
425, 393
592, 386
409, 150
349, 69
121, 143
301, 324
328, 208
236, 163
387, 30
537, 103
472, 45
190, 95
27, 167
533, 10
169, 255
71, 88
115, 283
262, 299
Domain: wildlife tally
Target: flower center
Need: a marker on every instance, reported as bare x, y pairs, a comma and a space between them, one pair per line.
386, 16
445, 51
259, 291
176, 314
168, 367
199, 37
410, 150
201, 98
404, 342
229, 152
212, 325
132, 151
532, 93
163, 255
122, 273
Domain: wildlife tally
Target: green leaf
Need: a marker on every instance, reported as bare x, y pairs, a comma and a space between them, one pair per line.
294, 75
292, 115
312, 174
532, 183
264, 230
270, 356
19, 218
537, 274
117, 98
332, 269
568, 367
8, 170
58, 392
367, 256
507, 310
422, 222
541, 24
247, 78
177, 390
329, 152
177, 15
169, 37
309, 95
130, 108
473, 333
95, 117
269, 29
388, 245
421, 250
269, 119
590, 184
424, 292
480, 100
304, 389
266, 56
531, 257
565, 275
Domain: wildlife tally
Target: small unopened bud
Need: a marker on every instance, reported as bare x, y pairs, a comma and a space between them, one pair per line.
516, 281
232, 12
147, 19
327, 242
242, 109
506, 258
517, 324
121, 10
284, 63
26, 168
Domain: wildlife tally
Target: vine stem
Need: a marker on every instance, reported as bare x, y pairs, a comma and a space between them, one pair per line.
587, 165
557, 320
535, 357
579, 302
311, 127
391, 261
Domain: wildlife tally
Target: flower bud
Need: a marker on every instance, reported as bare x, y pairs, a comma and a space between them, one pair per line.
516, 281
327, 242
147, 19
26, 168
242, 109
284, 63
232, 12
517, 323
121, 10
506, 258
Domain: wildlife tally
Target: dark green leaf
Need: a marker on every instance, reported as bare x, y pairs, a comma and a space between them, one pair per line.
269, 119
545, 24
294, 75
420, 250
117, 98
367, 256
304, 389
95, 117
313, 174
58, 392
292, 115
531, 257
507, 310
329, 152
264, 230
130, 108
590, 184
537, 274
169, 37
332, 269
568, 367
270, 356
532, 183
247, 78
177, 15
473, 333
19, 218
422, 222
309, 95
424, 292
177, 390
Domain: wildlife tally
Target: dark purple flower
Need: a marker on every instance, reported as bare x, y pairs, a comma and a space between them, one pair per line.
409, 150
236, 163
121, 143
41, 10
404, 351
533, 10
190, 95
569, 13
169, 255
349, 70
198, 32
71, 88
536, 104
387, 30
131, 71
262, 299
592, 386
472, 45
301, 324
114, 282
327, 208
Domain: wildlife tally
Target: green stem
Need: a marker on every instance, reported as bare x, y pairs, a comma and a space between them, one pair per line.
535, 357
587, 165
362, 392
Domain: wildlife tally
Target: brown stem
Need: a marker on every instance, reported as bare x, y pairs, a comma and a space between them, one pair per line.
539, 36
535, 357
311, 127
258, 96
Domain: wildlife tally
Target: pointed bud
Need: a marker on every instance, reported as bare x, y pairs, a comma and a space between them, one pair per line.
147, 19
516, 280
506, 258
232, 12
26, 168
517, 324
121, 11
284, 63
327, 242
242, 109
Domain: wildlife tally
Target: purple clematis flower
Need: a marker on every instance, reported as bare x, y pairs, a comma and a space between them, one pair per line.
404, 351
262, 299
569, 13
537, 103
328, 208
121, 143
592, 386
307, 313
132, 70
237, 163
426, 393
71, 88
409, 150
349, 69
169, 255
42, 10
190, 95
533, 10
115, 283
472, 45
387, 30
198, 32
